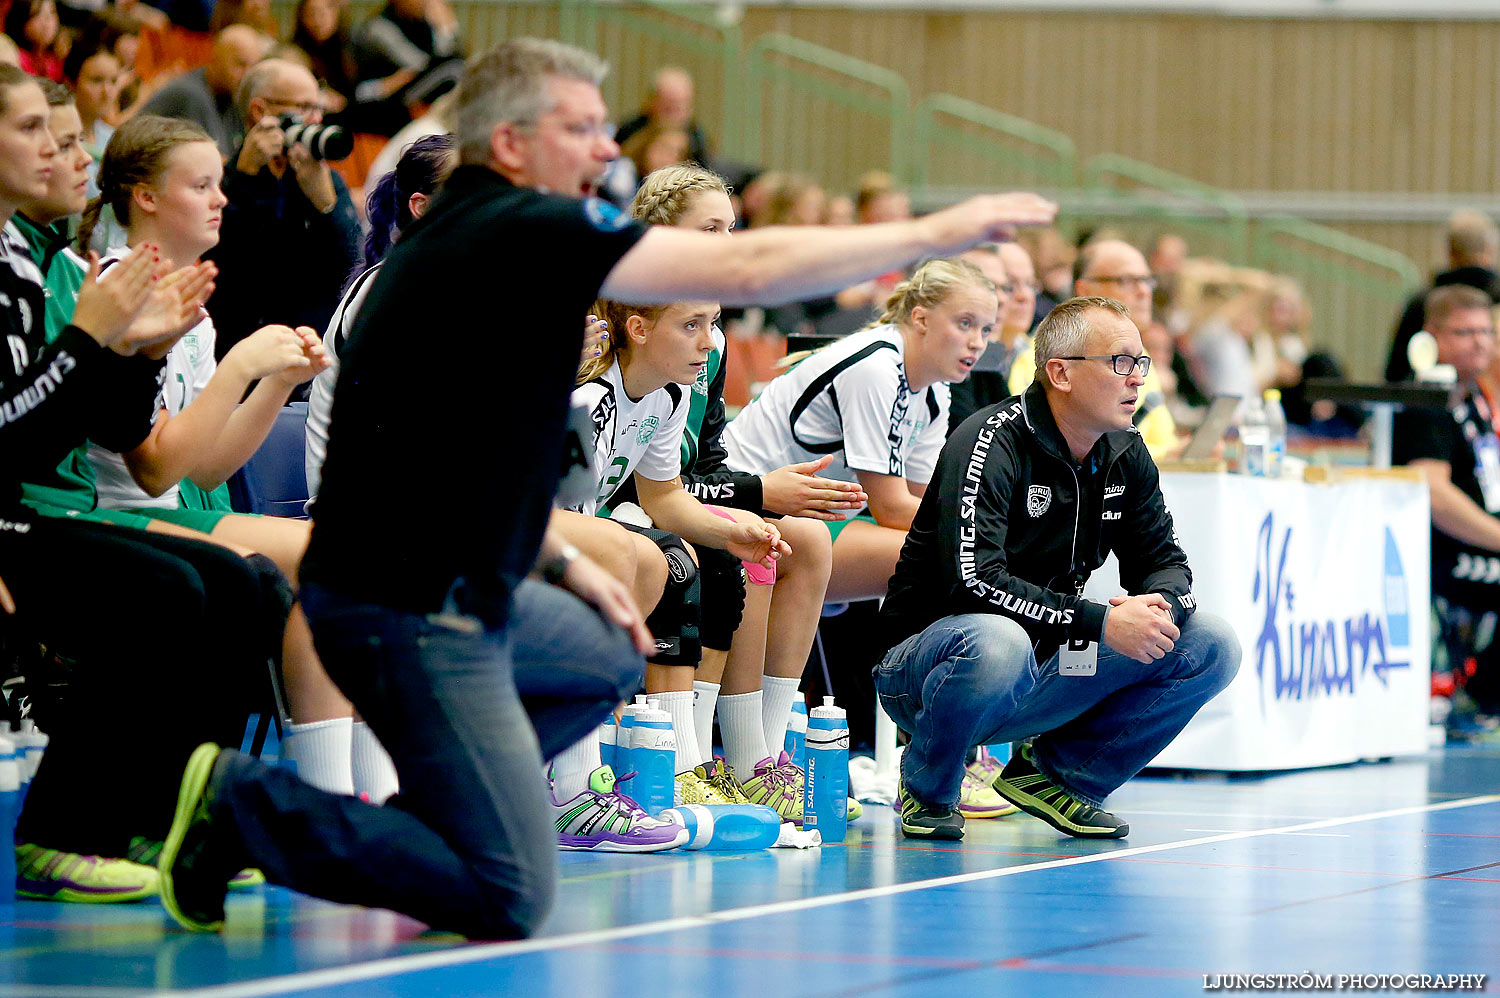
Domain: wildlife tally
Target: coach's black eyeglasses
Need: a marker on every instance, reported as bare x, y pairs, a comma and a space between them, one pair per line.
1124, 363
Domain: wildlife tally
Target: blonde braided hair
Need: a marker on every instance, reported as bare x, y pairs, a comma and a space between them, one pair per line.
666, 193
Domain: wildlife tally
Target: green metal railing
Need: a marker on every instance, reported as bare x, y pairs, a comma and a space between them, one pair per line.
1039, 154
1208, 213
811, 71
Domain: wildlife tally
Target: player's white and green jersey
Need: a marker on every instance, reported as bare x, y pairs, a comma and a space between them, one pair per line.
190, 364
850, 399
631, 435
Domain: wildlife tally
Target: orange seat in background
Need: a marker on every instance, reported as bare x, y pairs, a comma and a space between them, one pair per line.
171, 51
751, 360
356, 169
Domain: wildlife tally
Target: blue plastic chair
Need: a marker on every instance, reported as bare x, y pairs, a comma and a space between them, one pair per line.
274, 481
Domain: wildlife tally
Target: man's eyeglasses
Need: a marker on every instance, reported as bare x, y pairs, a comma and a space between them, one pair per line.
1147, 281
301, 107
1464, 332
1123, 363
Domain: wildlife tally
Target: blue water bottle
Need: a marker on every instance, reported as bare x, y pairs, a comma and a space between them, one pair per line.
826, 804
999, 751
653, 757
10, 812
796, 733
621, 764
30, 744
722, 827
608, 739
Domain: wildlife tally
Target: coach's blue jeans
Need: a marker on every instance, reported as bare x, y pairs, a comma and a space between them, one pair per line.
468, 844
973, 679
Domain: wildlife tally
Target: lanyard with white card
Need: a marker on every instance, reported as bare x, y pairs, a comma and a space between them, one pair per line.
1487, 470
1078, 657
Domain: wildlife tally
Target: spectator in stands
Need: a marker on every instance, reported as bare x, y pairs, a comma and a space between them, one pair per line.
1473, 246
34, 27
880, 199
120, 34
991, 638
1280, 347
1459, 453
1111, 268
93, 73
472, 848
839, 210
878, 401
989, 382
1167, 258
655, 147
288, 214
1053, 258
1224, 360
669, 105
402, 58
322, 30
253, 13
207, 95
796, 199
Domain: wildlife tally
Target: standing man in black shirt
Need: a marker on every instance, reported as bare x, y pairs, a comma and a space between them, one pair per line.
1458, 452
414, 625
993, 639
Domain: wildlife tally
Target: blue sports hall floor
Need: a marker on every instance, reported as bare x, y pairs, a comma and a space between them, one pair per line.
1381, 868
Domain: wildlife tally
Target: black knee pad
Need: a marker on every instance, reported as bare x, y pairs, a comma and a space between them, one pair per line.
723, 584
674, 622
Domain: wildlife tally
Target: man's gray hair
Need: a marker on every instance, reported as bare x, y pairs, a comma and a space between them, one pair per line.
1065, 332
260, 79
509, 84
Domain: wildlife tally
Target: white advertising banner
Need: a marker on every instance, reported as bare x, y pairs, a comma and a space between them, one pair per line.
1327, 587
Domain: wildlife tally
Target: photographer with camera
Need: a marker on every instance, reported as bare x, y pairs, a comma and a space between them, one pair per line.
288, 213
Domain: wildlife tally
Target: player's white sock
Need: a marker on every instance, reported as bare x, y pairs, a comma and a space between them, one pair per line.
573, 767
680, 706
706, 696
744, 734
374, 773
320, 750
777, 694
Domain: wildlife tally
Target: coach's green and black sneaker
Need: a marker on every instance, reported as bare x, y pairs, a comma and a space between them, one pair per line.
146, 851
922, 821
1021, 783
195, 865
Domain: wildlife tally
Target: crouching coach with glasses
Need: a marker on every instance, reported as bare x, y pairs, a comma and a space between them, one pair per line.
992, 638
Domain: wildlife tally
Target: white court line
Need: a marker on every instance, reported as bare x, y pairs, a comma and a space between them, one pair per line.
485, 951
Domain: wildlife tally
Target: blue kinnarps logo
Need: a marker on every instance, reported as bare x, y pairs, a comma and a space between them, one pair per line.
1300, 657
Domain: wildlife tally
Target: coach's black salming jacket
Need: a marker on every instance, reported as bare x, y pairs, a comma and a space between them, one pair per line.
1012, 525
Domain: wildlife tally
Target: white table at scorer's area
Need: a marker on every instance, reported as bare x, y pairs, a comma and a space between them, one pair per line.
1327, 585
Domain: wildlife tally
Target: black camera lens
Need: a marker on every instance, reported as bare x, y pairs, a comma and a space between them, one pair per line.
320, 141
